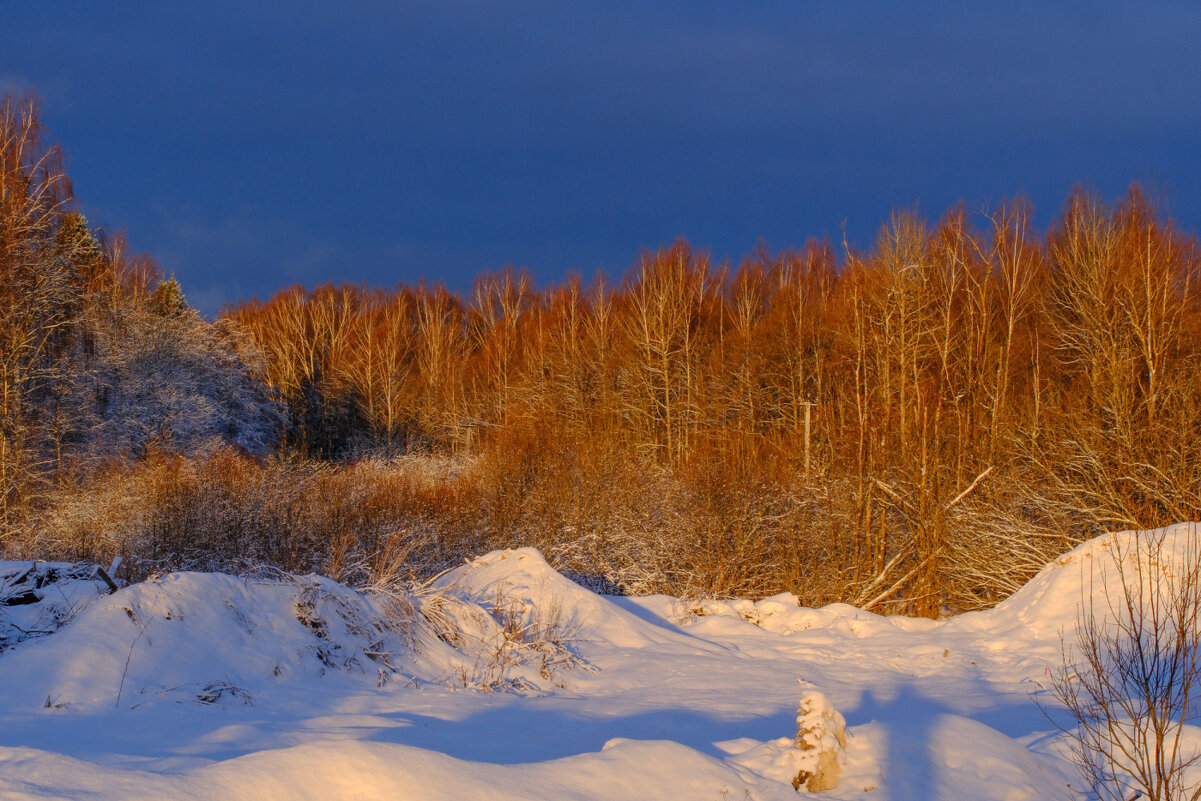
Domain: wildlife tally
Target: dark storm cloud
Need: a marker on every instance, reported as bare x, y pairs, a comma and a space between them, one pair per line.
249, 146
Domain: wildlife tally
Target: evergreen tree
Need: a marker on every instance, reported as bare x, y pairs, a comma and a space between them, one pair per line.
77, 245
168, 299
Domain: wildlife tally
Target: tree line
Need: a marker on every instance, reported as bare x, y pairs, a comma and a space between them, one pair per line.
918, 426
100, 360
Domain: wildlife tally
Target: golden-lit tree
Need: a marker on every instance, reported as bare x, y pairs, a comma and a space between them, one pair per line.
890, 422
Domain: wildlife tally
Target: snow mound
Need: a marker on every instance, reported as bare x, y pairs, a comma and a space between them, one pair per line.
521, 583
210, 638
206, 638
1037, 615
1049, 605
782, 614
506, 621
814, 759
357, 770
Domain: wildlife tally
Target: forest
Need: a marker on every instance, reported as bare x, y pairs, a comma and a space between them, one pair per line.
916, 427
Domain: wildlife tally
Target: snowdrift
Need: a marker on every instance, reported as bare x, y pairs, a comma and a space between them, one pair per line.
506, 680
505, 621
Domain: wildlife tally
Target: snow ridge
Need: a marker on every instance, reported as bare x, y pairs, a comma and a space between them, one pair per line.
504, 679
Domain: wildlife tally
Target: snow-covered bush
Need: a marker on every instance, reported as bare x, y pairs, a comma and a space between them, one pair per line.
174, 382
821, 739
508, 645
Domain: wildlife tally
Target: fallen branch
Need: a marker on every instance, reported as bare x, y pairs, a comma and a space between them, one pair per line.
970, 489
883, 574
884, 595
103, 574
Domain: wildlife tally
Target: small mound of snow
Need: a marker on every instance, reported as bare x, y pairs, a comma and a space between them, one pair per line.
813, 759
782, 614
821, 740
520, 582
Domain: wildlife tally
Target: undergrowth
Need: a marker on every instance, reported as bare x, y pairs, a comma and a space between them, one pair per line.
617, 526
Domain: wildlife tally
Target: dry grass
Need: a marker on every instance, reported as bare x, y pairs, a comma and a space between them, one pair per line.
700, 529
632, 528
362, 523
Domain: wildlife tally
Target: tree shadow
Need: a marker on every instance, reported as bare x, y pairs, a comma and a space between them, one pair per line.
910, 721
533, 732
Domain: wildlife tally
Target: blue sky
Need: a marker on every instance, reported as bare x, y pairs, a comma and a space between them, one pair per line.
250, 146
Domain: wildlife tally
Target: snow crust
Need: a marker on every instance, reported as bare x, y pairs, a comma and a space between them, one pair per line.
508, 681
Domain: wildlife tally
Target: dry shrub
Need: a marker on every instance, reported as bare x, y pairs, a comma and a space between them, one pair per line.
719, 523
637, 527
359, 523
1131, 672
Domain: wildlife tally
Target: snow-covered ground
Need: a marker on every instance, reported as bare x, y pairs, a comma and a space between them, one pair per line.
508, 681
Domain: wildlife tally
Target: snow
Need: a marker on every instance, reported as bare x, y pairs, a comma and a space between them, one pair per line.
505, 680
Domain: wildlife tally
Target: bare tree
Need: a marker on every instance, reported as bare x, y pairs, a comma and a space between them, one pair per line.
1131, 673
35, 287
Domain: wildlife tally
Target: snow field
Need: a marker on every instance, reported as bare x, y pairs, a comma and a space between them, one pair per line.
505, 680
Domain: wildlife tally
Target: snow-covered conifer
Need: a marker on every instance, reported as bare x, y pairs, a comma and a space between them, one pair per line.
178, 382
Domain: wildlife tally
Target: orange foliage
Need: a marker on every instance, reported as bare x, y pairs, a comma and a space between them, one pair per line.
894, 397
